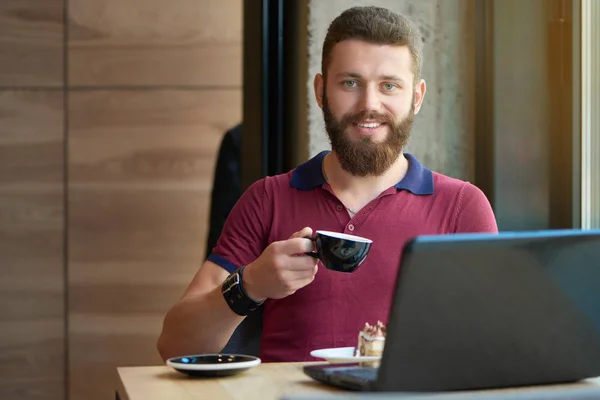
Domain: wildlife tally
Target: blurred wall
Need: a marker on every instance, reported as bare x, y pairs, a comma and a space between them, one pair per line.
111, 114
443, 133
32, 196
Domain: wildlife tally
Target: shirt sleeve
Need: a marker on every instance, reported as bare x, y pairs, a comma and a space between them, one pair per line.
474, 213
244, 234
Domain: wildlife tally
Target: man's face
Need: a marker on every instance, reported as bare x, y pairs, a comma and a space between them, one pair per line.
369, 102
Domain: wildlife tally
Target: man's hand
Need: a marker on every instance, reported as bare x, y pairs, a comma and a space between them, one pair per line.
282, 268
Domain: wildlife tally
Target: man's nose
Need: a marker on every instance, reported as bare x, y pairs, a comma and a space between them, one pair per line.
370, 100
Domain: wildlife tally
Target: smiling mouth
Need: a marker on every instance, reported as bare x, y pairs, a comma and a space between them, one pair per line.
369, 125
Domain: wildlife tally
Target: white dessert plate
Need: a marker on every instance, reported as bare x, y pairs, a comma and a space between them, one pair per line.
340, 355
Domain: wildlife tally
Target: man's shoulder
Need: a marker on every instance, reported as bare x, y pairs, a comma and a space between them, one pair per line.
473, 211
445, 184
451, 188
273, 183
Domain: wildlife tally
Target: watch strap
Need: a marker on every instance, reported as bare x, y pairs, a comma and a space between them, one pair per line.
236, 297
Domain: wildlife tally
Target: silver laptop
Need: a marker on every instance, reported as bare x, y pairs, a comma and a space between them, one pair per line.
480, 311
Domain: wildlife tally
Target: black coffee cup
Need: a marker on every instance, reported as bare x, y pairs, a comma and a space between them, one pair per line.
339, 251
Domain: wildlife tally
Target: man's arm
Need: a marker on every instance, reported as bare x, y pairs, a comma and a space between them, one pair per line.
201, 321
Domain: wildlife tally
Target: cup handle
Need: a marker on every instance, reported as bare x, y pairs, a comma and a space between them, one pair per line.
313, 254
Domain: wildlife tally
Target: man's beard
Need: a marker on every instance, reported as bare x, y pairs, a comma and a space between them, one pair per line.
365, 157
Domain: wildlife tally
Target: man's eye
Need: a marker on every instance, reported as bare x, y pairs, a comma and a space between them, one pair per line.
389, 86
350, 84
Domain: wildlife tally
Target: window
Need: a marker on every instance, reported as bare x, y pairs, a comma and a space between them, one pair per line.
590, 114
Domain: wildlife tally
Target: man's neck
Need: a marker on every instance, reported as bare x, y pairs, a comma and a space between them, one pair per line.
359, 190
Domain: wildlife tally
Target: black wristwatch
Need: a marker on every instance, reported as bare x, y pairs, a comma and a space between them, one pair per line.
235, 295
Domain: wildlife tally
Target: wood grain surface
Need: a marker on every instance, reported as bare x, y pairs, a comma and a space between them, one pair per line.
275, 381
104, 237
32, 271
31, 43
155, 42
268, 381
140, 174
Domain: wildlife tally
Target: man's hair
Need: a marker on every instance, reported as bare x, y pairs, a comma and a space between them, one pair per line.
374, 25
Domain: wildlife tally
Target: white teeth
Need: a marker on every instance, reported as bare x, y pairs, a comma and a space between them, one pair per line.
370, 125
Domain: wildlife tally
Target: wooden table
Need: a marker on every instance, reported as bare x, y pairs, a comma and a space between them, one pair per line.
265, 382
272, 381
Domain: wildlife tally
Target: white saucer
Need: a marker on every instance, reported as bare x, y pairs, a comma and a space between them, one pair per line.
340, 355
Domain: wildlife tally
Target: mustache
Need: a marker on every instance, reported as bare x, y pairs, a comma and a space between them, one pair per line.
370, 115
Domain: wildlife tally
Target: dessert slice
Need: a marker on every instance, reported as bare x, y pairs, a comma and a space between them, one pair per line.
371, 341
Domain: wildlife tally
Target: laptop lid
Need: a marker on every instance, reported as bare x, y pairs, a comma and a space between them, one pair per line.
489, 311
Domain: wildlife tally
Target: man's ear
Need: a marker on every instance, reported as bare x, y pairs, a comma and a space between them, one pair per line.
420, 89
318, 84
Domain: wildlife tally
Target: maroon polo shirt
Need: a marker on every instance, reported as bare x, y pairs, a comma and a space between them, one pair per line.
331, 310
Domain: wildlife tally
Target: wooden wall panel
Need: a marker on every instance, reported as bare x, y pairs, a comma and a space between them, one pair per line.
140, 175
32, 334
31, 43
155, 42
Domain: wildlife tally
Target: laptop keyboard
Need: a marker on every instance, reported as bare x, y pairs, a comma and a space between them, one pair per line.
367, 374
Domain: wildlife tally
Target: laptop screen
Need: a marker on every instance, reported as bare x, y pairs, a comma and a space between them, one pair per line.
480, 311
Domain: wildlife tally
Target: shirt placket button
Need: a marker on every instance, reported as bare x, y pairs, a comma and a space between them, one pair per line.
351, 228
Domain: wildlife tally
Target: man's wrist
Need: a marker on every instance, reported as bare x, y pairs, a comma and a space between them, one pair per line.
248, 285
236, 297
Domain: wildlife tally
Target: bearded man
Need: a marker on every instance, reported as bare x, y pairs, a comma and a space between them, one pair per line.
370, 89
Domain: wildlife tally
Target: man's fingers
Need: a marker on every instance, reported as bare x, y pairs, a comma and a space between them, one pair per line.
299, 276
306, 231
301, 263
297, 245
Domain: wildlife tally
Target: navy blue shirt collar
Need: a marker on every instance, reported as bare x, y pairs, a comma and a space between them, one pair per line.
418, 179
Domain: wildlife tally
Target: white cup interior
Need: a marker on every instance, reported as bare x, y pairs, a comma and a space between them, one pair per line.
345, 236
